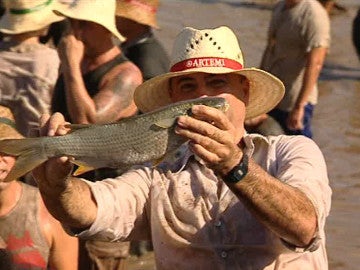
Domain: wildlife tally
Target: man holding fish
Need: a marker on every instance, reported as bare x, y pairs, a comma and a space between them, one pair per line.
230, 200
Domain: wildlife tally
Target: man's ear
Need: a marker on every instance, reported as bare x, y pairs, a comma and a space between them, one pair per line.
245, 87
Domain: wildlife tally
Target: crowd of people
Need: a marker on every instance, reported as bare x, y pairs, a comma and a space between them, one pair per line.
250, 188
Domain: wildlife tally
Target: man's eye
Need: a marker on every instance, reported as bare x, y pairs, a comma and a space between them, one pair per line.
218, 83
187, 87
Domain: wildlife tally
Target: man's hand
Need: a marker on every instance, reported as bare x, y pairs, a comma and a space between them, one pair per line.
51, 175
295, 118
71, 48
212, 137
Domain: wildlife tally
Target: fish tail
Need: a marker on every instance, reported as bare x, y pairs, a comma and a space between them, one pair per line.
28, 153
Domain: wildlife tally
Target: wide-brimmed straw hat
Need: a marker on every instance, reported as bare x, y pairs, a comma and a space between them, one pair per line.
141, 11
7, 125
23, 16
98, 11
214, 51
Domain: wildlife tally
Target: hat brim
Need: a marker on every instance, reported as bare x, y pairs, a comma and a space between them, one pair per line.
18, 24
75, 14
266, 90
139, 16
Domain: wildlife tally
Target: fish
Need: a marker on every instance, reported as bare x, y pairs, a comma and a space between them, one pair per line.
140, 139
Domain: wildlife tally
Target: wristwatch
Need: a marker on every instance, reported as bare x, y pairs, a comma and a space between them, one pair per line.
238, 172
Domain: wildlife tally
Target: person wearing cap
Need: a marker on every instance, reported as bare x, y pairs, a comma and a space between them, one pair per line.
231, 200
135, 20
34, 239
298, 41
28, 69
96, 86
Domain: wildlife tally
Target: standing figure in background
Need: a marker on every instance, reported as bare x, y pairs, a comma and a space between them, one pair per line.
28, 69
299, 38
135, 20
96, 86
34, 238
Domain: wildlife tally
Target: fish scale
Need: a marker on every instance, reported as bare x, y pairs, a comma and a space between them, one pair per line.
144, 138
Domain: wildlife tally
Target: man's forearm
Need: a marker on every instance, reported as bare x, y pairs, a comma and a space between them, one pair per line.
80, 105
313, 67
283, 209
74, 206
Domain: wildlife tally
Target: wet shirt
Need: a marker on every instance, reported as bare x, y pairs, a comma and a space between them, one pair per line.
293, 33
196, 222
28, 73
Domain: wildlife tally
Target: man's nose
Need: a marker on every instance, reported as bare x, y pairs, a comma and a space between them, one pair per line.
203, 91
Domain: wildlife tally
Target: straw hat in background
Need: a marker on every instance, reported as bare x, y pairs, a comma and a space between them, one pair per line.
215, 51
98, 11
7, 125
23, 16
140, 11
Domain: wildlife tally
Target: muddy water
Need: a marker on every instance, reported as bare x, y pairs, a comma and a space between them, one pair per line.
336, 119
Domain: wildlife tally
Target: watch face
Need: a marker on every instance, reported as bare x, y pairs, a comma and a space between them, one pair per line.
238, 172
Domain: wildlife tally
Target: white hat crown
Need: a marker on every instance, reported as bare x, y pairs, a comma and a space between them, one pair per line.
220, 42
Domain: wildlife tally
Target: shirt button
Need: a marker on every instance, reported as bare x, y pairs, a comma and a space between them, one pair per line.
218, 223
223, 254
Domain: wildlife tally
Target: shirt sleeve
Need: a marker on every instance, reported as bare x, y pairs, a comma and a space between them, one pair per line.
317, 29
300, 163
123, 208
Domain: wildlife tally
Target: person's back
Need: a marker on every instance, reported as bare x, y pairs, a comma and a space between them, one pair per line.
299, 36
28, 69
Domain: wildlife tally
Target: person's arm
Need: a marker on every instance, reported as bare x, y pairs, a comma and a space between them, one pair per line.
114, 99
285, 210
67, 198
314, 63
63, 247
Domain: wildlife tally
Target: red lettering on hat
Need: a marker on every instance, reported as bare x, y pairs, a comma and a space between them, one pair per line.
206, 62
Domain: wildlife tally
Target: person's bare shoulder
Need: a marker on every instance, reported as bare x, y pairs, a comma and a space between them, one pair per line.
127, 72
